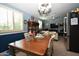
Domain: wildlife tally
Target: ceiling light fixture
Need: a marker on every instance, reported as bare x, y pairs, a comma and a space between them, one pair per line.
44, 9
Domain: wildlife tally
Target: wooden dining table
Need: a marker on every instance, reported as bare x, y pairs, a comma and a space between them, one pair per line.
34, 46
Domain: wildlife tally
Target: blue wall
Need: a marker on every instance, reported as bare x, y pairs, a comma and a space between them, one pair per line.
25, 26
5, 39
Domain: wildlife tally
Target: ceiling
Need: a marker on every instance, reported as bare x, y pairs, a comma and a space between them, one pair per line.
58, 9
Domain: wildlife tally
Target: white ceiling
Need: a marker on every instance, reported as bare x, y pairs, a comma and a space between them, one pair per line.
58, 9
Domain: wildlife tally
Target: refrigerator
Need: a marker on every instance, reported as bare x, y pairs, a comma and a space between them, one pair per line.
72, 30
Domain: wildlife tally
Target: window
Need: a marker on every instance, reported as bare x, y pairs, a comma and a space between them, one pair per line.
40, 24
3, 18
18, 20
10, 19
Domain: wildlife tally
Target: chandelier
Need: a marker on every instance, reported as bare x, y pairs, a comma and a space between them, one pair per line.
44, 9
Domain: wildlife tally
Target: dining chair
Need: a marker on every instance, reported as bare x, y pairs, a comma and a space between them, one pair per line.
50, 46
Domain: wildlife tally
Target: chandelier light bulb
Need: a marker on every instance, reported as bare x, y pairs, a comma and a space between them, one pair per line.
44, 8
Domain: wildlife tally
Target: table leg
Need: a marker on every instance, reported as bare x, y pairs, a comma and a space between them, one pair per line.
12, 51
